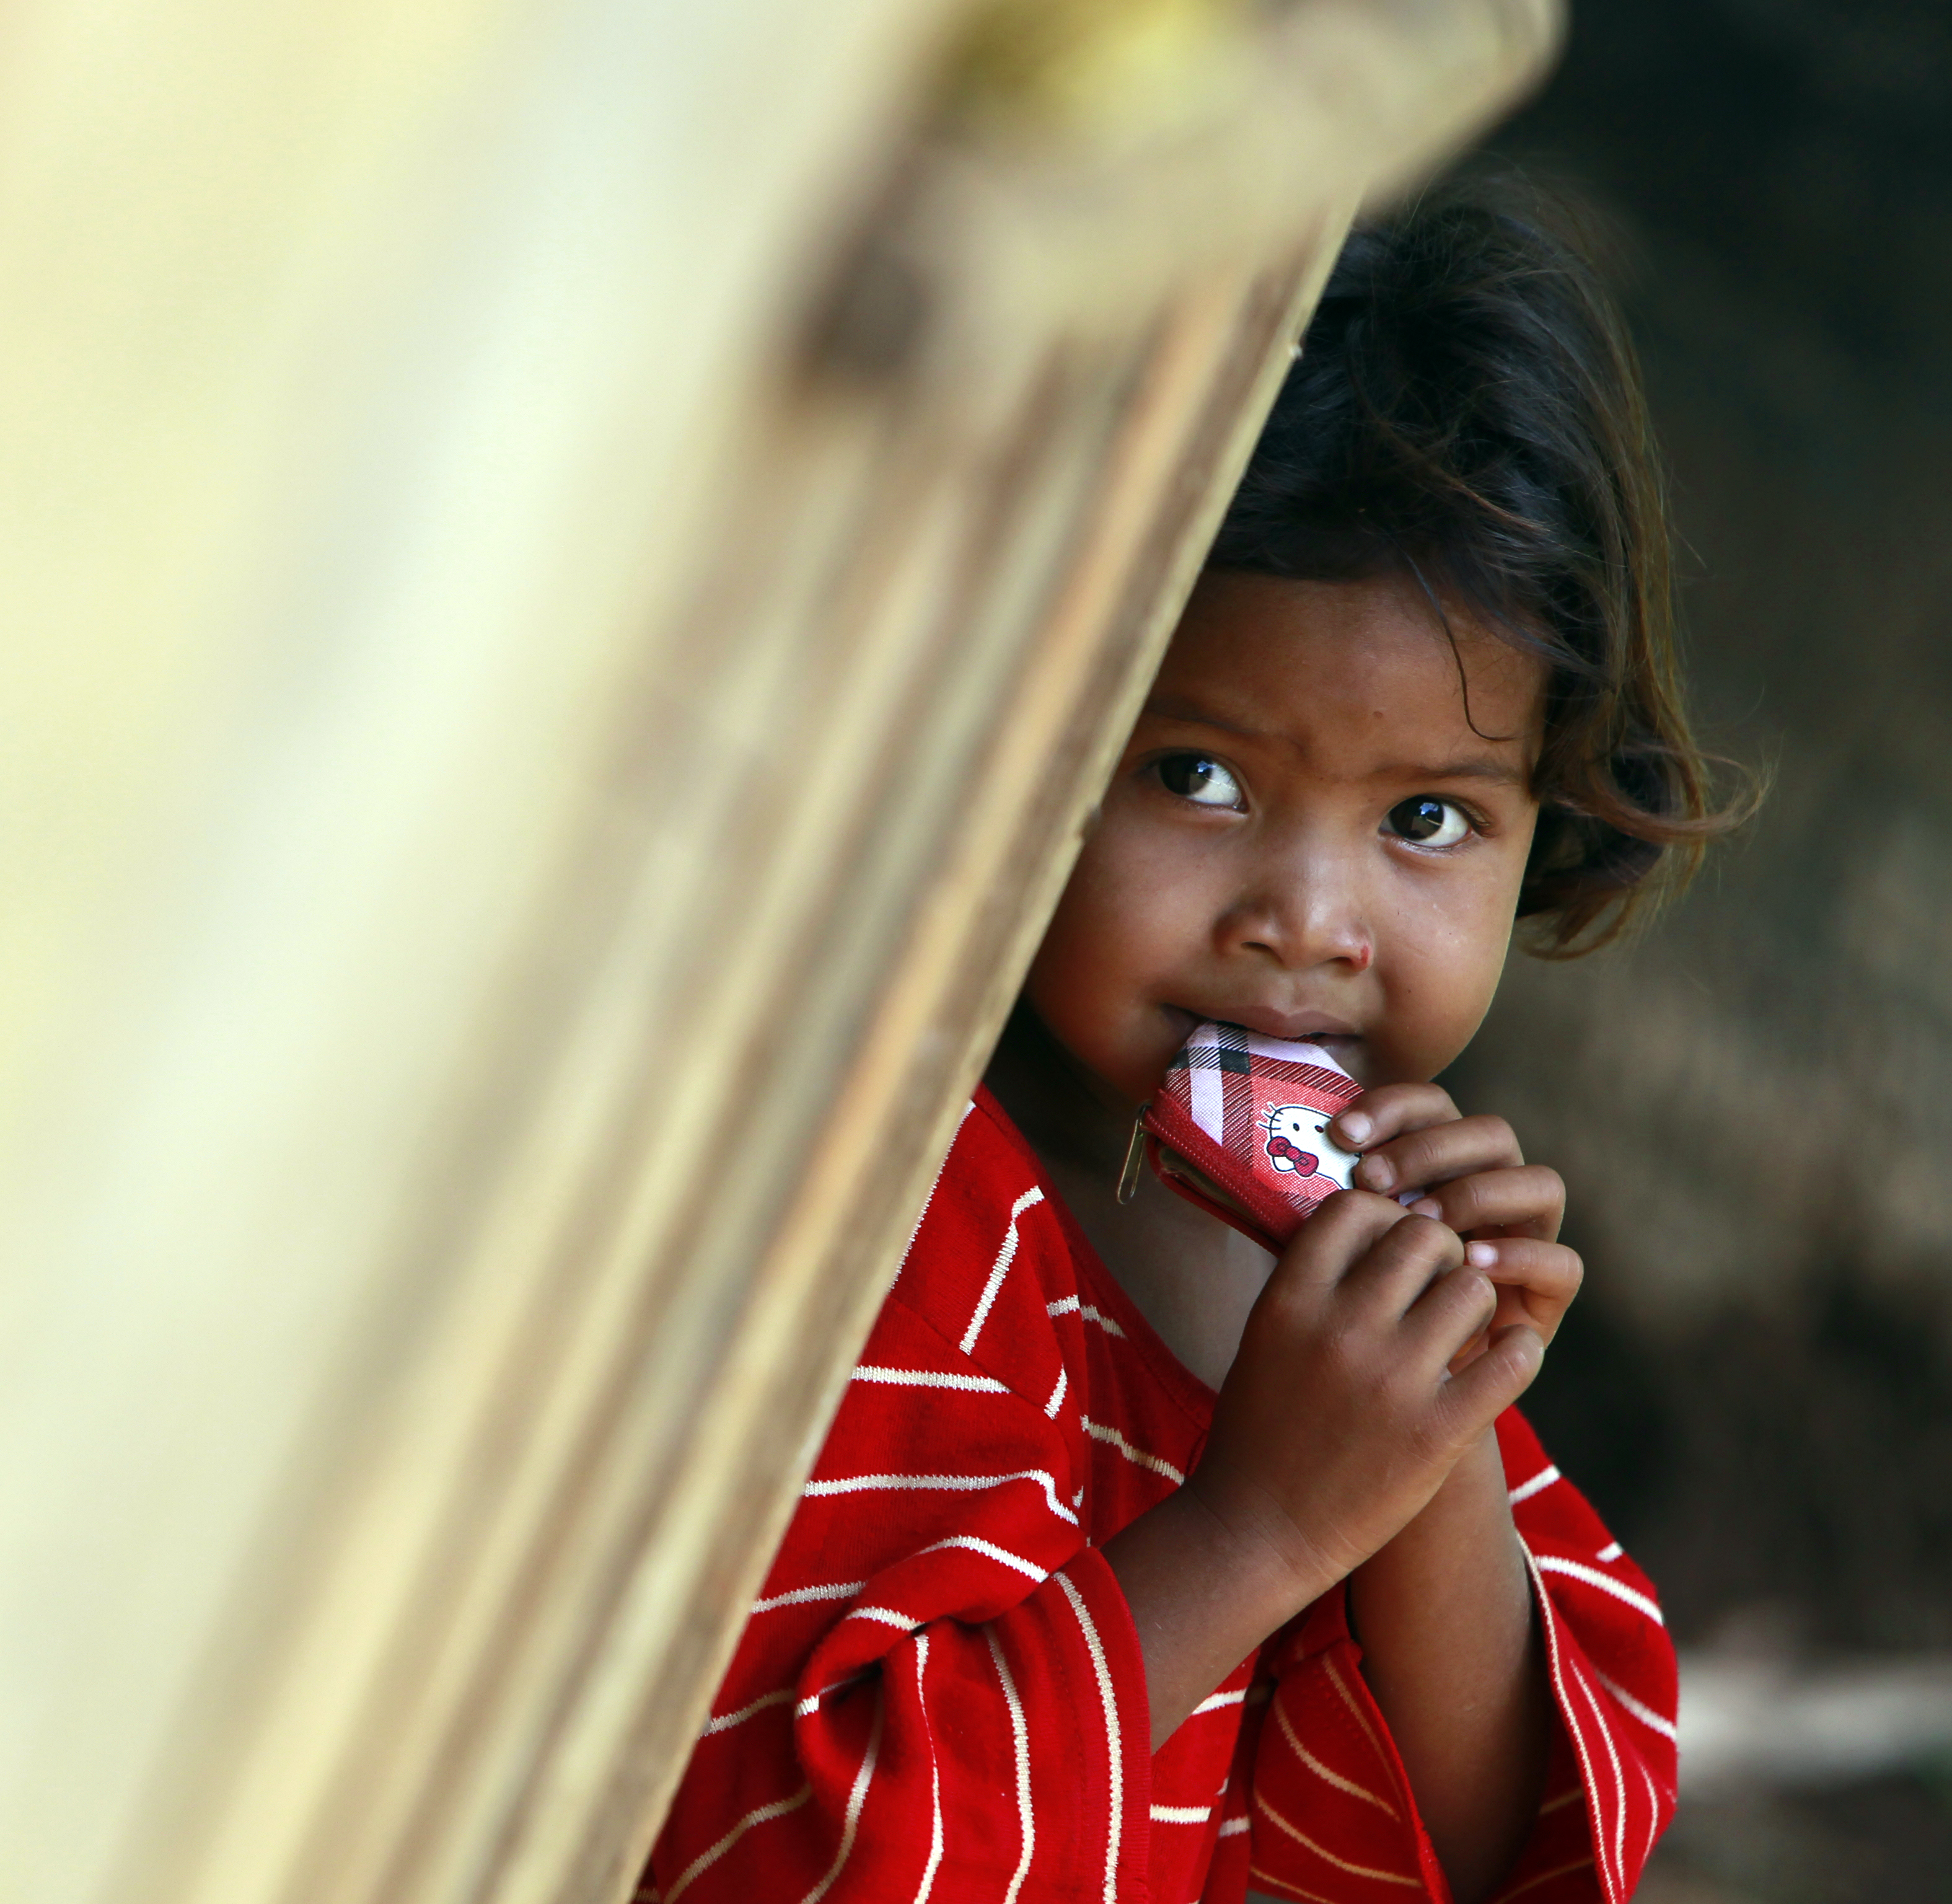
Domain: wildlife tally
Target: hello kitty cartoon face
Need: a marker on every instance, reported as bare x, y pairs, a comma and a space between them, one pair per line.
1298, 1141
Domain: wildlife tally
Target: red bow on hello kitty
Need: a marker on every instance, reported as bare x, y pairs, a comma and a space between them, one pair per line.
1305, 1164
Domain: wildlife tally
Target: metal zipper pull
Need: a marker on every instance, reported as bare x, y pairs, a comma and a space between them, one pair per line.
1135, 1155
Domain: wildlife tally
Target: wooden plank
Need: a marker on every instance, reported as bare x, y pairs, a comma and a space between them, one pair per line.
578, 570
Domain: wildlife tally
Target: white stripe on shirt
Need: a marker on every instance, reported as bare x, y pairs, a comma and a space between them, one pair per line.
1328, 1857
759, 1814
976, 1544
856, 1799
946, 1484
1606, 1583
887, 1617
803, 1596
1098, 1431
1324, 1772
934, 1777
1646, 1715
929, 1378
1020, 1739
1050, 1407
726, 1720
1556, 1664
1214, 1701
1114, 1746
1004, 1256
1075, 1306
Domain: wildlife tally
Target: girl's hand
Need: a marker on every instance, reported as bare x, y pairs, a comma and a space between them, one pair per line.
1338, 1421
1476, 1181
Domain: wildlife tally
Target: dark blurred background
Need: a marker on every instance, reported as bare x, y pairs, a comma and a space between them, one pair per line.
1752, 1103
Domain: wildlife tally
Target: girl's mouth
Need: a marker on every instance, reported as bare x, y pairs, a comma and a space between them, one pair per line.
1292, 1027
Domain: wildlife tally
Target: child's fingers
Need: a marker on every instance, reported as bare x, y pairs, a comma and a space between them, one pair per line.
1525, 1200
1435, 1154
1388, 1112
1549, 1271
1452, 1312
1400, 1267
1477, 1394
1340, 1232
1535, 1283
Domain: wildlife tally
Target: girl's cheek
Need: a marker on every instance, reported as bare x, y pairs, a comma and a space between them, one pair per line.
1438, 982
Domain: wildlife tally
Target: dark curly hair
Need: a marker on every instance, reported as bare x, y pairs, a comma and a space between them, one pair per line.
1466, 409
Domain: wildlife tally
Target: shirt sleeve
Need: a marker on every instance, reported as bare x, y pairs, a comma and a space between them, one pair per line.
1614, 1682
1330, 1803
940, 1675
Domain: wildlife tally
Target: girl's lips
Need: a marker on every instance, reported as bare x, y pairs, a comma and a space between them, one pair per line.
1295, 1027
1182, 1021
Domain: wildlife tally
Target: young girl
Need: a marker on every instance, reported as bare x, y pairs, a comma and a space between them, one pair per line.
1140, 1564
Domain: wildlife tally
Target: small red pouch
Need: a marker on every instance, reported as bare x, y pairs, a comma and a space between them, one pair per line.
1240, 1127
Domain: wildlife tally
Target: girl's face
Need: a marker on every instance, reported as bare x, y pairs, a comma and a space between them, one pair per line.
1305, 836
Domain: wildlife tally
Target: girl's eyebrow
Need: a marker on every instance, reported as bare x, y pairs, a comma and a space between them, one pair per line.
1476, 769
1168, 707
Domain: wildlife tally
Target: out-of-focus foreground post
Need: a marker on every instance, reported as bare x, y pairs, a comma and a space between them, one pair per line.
573, 572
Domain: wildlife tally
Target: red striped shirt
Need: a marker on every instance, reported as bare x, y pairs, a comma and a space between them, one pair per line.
940, 1694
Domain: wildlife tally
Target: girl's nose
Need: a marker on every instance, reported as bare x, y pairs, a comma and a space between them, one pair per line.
1302, 919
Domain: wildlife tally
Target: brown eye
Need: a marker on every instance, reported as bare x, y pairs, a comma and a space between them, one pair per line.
1425, 821
1200, 778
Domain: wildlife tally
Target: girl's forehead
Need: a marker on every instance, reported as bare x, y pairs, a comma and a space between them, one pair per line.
1371, 660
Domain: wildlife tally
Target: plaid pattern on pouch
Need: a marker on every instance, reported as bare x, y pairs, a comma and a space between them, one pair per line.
1240, 1128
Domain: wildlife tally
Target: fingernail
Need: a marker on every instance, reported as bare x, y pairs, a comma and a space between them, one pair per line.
1426, 1206
1482, 1256
1376, 1173
1355, 1127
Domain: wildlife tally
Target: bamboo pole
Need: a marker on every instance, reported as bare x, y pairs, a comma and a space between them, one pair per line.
573, 574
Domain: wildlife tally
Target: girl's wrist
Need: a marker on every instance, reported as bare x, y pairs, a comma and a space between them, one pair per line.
1468, 1510
1258, 1542
1204, 1592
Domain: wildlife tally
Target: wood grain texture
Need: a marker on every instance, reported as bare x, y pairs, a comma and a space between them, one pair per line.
579, 571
